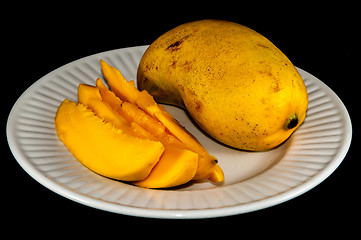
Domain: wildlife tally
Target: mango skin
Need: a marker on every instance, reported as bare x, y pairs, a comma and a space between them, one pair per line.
236, 85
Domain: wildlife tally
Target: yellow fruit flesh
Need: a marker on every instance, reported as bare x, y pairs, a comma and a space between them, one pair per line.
207, 163
132, 114
127, 91
176, 167
102, 147
90, 97
119, 140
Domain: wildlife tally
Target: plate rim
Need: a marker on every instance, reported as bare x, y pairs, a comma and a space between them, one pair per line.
166, 213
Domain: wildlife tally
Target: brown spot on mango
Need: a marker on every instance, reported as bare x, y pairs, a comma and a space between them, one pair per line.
262, 45
198, 106
187, 66
276, 87
174, 64
175, 46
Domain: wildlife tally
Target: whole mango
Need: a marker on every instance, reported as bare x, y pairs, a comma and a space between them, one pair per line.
236, 85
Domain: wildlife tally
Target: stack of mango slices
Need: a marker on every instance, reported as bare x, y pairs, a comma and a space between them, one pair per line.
124, 134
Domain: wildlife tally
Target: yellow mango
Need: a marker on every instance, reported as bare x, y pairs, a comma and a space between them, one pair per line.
102, 147
176, 167
237, 86
128, 92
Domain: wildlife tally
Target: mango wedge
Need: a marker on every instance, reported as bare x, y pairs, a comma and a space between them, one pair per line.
126, 91
176, 167
102, 147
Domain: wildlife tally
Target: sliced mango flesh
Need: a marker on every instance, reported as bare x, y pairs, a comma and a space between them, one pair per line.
102, 147
128, 92
125, 135
112, 73
90, 96
176, 167
133, 114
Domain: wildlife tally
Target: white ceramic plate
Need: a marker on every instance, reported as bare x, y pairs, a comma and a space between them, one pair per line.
254, 180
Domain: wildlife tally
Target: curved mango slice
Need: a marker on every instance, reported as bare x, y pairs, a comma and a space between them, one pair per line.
103, 148
176, 167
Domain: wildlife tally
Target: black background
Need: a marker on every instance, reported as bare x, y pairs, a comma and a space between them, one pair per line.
322, 40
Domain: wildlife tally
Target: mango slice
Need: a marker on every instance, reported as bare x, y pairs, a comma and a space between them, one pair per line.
102, 147
176, 167
126, 91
